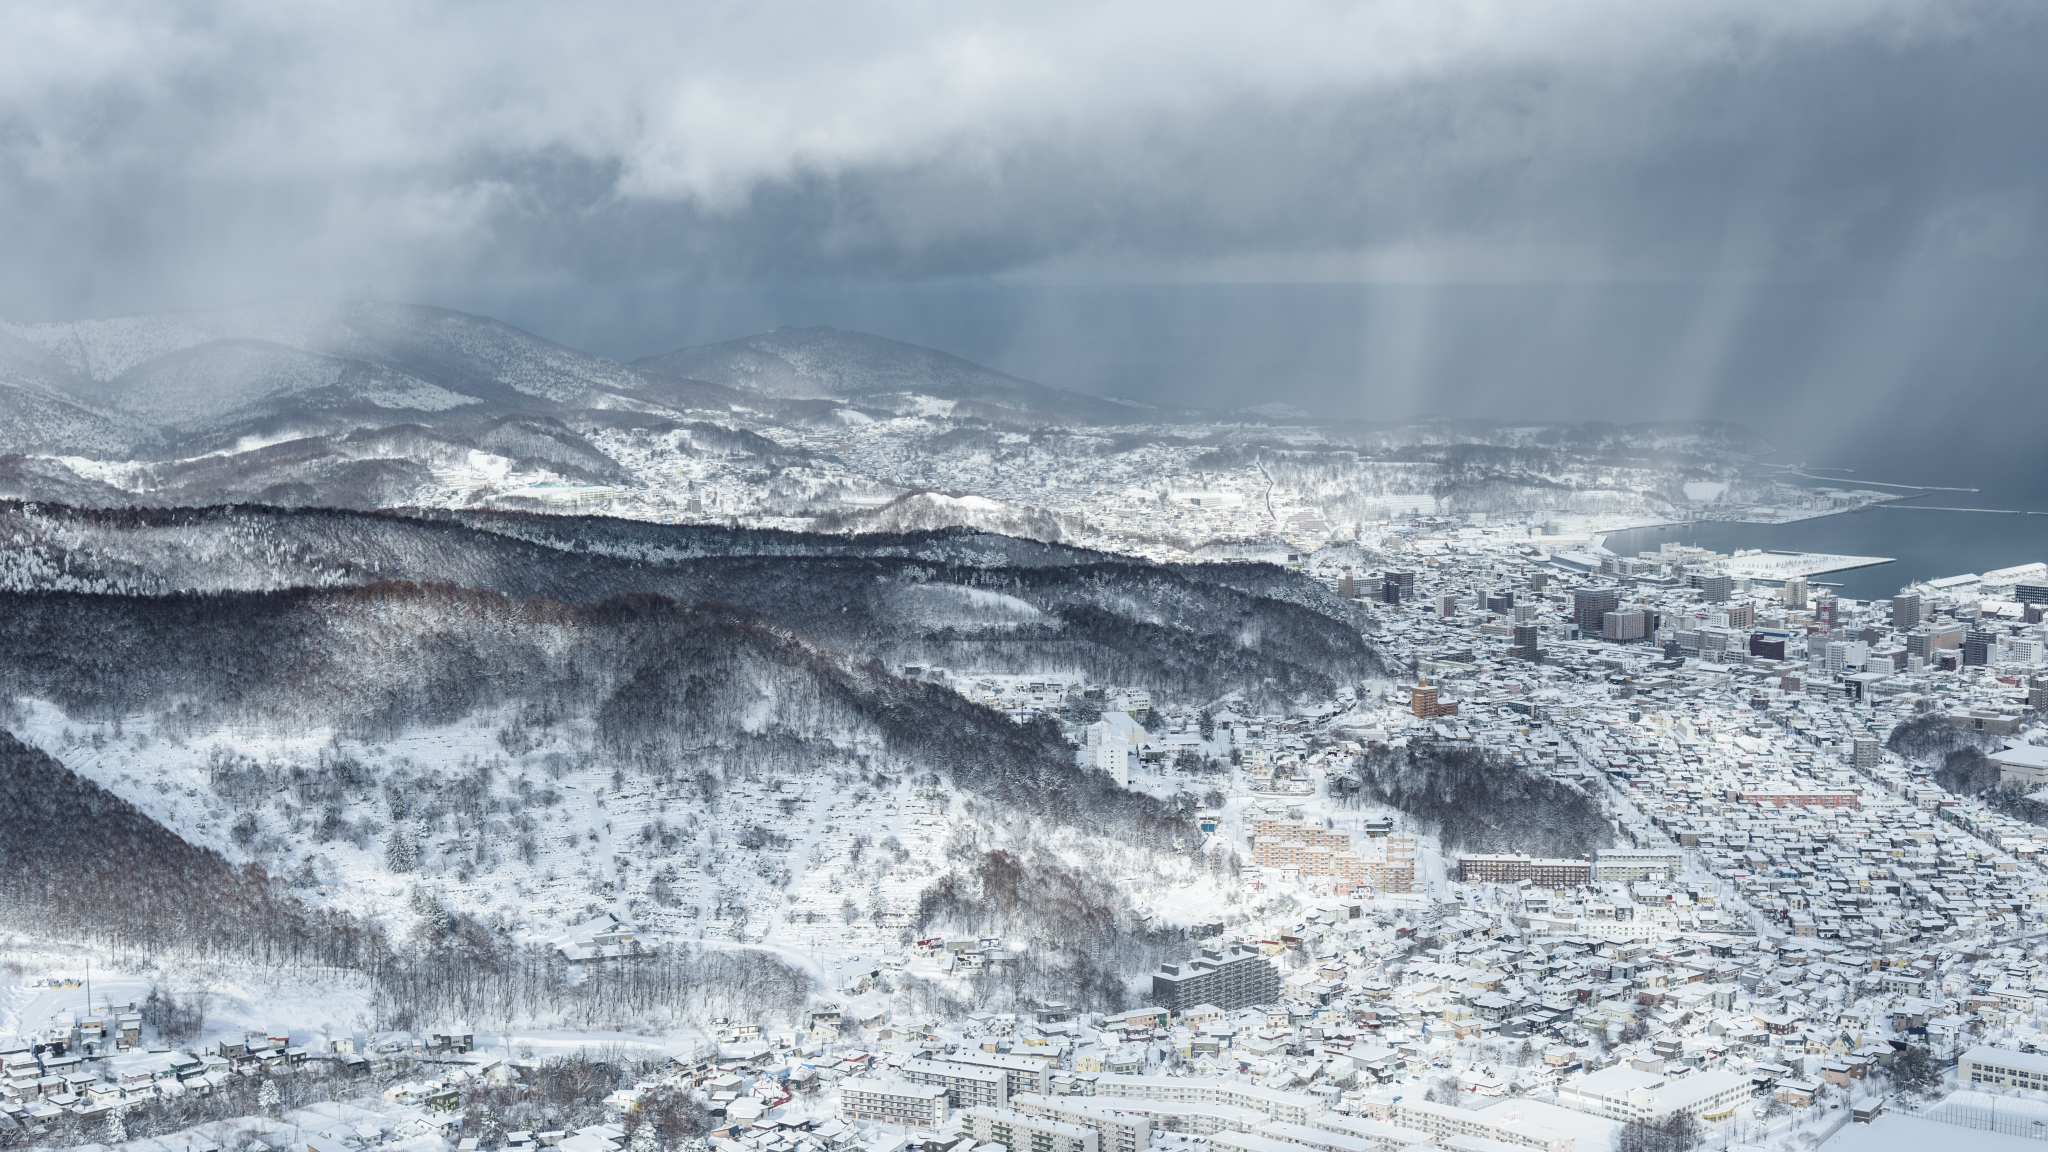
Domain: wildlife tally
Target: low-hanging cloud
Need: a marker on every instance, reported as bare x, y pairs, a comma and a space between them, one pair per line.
155, 154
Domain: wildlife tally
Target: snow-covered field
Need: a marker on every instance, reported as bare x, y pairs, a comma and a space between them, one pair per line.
44, 978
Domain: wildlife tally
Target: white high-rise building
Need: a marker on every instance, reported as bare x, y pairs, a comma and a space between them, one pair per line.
1110, 749
1847, 655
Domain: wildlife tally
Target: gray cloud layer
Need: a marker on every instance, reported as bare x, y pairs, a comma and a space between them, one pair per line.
254, 147
163, 154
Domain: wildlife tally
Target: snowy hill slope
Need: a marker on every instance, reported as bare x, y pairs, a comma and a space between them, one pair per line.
925, 511
804, 363
297, 368
39, 413
703, 771
1194, 632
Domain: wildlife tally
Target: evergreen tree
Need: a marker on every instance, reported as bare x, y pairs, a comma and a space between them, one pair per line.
115, 1132
401, 855
268, 1099
426, 903
645, 1138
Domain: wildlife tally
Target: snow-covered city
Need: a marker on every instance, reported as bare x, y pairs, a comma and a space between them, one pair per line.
1331, 576
1628, 840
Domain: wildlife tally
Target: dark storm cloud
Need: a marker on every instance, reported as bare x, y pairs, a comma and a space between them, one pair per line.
1568, 208
158, 151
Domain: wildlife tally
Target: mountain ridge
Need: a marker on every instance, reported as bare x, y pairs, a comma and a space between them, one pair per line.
831, 363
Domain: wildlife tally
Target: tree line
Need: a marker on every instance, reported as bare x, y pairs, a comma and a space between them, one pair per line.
1194, 631
671, 689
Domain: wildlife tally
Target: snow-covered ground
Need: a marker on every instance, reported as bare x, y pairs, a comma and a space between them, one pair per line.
819, 862
313, 1004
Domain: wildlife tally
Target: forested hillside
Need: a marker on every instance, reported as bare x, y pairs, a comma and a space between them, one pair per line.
1474, 801
467, 731
970, 602
143, 892
675, 691
140, 888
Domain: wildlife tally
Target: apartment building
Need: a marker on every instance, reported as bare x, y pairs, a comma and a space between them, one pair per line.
1178, 1117
1515, 867
1022, 1132
1381, 1131
1292, 1107
892, 1101
1632, 864
1443, 1121
1116, 1129
1024, 1073
965, 1085
1302, 1136
1229, 978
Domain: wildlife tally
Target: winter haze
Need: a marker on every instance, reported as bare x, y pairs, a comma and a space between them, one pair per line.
927, 577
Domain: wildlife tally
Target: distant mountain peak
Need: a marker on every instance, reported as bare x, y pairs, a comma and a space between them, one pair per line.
858, 367
122, 384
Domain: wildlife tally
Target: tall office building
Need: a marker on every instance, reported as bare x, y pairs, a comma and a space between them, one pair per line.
1624, 625
1591, 605
1717, 587
1906, 611
1346, 587
1500, 603
1977, 645
1795, 592
1742, 616
2030, 593
1397, 587
1525, 643
1846, 655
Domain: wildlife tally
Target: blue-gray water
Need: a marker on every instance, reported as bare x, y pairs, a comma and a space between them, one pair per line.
1924, 544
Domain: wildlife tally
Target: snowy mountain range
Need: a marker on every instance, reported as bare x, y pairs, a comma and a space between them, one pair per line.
184, 382
366, 405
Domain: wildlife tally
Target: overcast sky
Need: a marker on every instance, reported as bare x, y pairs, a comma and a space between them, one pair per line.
1574, 208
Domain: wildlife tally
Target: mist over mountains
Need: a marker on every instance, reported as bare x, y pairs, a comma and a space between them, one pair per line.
814, 363
181, 384
309, 403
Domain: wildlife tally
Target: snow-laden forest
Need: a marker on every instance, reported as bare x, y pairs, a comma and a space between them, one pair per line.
440, 786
